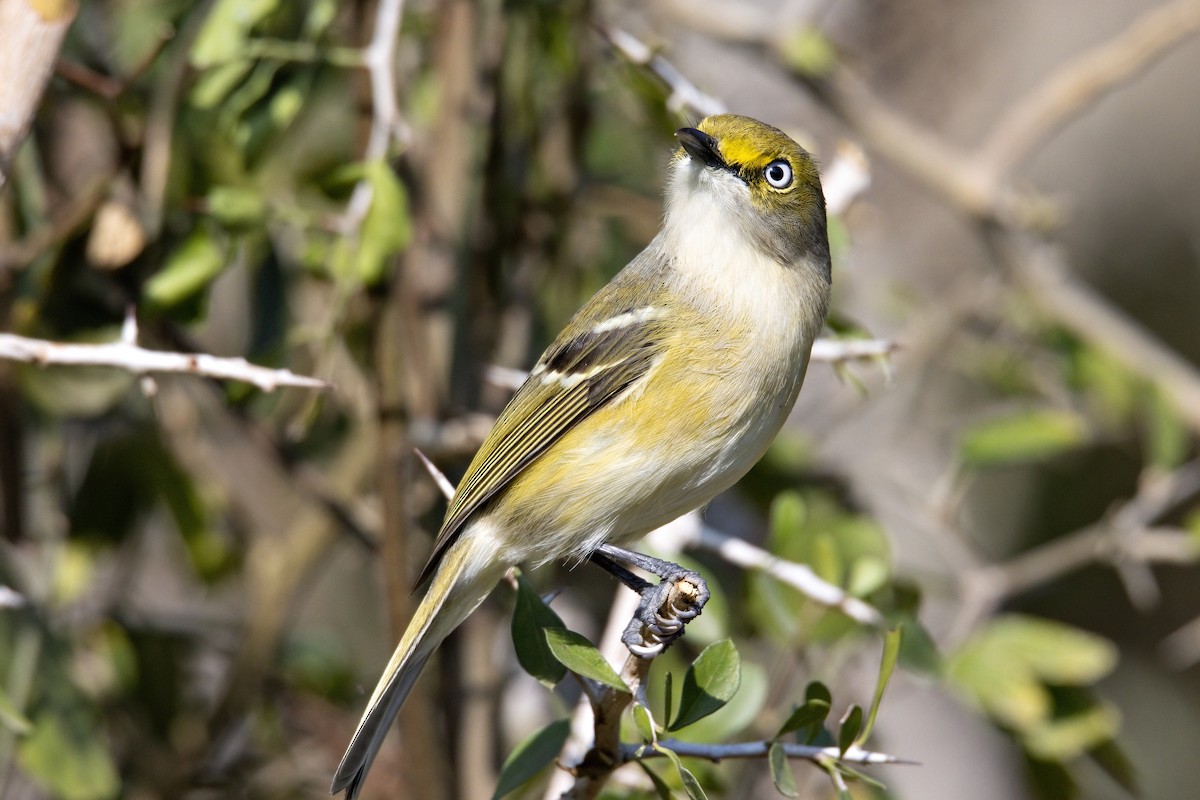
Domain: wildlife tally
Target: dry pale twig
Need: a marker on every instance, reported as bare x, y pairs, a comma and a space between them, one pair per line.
125, 354
378, 58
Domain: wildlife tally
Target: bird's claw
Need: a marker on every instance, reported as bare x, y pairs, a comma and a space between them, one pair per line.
664, 611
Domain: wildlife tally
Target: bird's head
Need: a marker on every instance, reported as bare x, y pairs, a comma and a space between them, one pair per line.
758, 179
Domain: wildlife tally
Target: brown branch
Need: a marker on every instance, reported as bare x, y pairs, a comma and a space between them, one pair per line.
1129, 535
1081, 82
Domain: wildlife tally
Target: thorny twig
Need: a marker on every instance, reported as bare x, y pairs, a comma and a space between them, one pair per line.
125, 354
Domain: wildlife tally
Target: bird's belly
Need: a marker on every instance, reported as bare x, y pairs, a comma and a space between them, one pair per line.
593, 487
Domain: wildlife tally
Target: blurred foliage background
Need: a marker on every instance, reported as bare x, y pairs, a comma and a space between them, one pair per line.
200, 580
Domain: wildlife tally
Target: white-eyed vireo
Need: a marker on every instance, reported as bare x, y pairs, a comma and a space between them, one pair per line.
662, 390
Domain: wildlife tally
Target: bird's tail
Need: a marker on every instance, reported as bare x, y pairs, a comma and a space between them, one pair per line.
458, 587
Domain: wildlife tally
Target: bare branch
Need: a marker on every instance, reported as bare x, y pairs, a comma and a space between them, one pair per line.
126, 355
379, 60
684, 96
835, 351
1081, 82
720, 752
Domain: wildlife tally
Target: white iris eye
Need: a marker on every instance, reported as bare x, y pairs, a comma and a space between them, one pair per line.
779, 174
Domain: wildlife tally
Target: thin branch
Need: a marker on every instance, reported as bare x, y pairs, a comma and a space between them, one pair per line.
379, 59
790, 573
1050, 283
126, 355
1129, 535
9, 598
684, 96
1081, 82
844, 180
721, 752
836, 351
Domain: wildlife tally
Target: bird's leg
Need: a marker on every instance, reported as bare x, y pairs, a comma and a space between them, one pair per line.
665, 608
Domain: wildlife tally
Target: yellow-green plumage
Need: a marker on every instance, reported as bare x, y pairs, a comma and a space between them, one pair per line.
660, 392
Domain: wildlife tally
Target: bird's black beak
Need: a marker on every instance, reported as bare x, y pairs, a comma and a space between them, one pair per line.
701, 146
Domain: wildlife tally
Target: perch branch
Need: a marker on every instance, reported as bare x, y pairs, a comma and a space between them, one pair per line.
125, 354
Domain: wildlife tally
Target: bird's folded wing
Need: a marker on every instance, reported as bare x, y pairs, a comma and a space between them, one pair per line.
578, 375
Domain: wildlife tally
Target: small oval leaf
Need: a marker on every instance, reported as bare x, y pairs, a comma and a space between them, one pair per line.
710, 683
580, 656
531, 755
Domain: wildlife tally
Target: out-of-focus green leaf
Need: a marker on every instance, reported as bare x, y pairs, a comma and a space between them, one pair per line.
236, 206
1117, 765
214, 85
1057, 653
809, 52
73, 570
1168, 439
887, 665
710, 683
11, 717
386, 229
530, 756
531, 618
226, 29
1023, 436
849, 728
66, 756
781, 771
1062, 739
320, 14
867, 575
1005, 667
580, 656
827, 558
194, 264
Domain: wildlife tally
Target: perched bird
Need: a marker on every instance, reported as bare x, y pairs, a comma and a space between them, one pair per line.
662, 391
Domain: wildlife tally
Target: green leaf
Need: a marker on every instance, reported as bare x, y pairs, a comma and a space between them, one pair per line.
531, 618
809, 52
811, 713
710, 683
214, 85
644, 722
236, 206
690, 785
668, 695
64, 754
11, 717
1068, 737
891, 654
226, 29
660, 786
1024, 436
918, 651
1057, 653
530, 756
581, 657
386, 229
849, 728
781, 771
190, 269
817, 691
